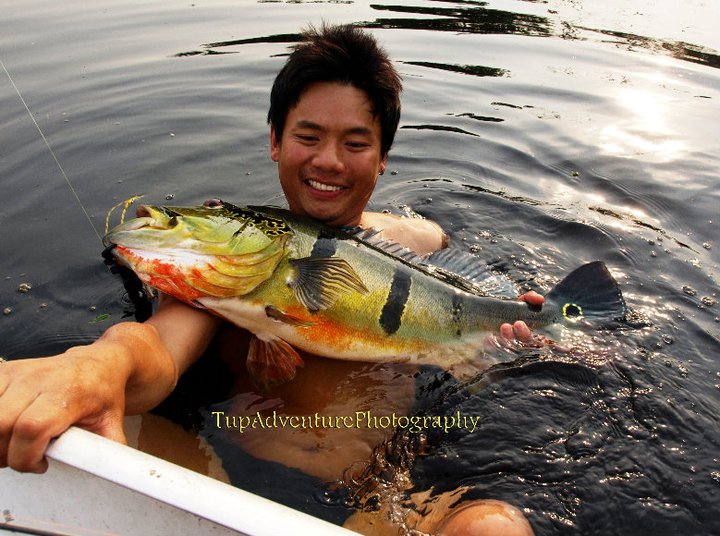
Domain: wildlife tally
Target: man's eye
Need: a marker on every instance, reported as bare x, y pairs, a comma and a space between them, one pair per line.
357, 144
307, 138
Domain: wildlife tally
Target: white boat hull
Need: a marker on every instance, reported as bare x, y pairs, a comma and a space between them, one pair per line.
95, 486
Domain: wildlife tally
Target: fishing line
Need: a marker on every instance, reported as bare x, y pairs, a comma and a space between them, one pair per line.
47, 144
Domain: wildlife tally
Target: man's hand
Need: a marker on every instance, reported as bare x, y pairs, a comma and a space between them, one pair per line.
87, 386
41, 398
130, 369
518, 332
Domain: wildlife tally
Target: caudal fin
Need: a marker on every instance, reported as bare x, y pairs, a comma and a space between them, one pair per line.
589, 291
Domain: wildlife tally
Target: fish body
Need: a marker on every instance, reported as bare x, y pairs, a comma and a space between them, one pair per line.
295, 283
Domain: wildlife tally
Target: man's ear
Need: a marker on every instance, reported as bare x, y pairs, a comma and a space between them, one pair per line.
274, 144
383, 164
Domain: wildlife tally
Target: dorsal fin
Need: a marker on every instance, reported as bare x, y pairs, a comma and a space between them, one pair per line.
467, 267
457, 267
372, 237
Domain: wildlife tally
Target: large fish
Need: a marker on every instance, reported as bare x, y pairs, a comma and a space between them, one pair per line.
295, 283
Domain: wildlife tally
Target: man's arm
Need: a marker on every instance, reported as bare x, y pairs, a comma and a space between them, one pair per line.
418, 235
131, 368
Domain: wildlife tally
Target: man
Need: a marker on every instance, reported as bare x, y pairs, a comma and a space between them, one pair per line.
334, 111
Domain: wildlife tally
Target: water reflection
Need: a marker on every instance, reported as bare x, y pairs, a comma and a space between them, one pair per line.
474, 70
676, 49
476, 18
643, 129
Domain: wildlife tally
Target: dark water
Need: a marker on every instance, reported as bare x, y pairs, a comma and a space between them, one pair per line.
540, 135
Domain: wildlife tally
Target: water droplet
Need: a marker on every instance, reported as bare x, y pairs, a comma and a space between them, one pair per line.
667, 339
653, 254
394, 172
7, 310
706, 245
709, 301
168, 197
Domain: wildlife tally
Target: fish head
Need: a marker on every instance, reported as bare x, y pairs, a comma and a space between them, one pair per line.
190, 252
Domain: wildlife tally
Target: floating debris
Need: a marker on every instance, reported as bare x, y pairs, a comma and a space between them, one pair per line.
99, 318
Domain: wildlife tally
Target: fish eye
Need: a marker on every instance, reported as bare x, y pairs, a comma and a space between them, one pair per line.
213, 203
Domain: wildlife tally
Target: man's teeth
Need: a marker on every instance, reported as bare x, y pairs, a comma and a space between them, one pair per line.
324, 187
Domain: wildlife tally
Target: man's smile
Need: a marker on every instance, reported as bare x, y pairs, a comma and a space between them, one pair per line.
317, 185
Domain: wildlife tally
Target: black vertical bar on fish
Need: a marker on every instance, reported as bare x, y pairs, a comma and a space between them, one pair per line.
392, 311
325, 245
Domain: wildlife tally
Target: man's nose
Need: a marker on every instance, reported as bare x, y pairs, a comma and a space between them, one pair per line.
329, 157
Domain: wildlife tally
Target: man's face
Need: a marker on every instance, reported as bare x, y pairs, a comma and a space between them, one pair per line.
329, 155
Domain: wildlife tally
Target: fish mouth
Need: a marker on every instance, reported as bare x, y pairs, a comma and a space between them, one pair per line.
148, 216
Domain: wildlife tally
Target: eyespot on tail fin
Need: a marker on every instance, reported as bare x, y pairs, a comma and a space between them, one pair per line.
589, 291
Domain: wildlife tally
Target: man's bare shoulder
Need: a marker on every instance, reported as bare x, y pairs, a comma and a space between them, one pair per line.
419, 235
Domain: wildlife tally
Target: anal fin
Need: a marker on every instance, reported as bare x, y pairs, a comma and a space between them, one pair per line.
272, 361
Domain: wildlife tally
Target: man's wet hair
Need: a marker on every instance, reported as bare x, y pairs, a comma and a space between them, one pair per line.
347, 55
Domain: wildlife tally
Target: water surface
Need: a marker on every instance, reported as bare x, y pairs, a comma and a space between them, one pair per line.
540, 134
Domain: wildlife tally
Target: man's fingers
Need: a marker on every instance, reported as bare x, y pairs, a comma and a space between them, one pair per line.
521, 332
31, 434
112, 427
532, 298
507, 332
13, 404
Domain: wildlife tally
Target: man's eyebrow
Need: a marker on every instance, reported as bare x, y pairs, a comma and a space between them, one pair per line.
305, 123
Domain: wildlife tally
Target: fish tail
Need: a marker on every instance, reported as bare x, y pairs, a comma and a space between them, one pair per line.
589, 291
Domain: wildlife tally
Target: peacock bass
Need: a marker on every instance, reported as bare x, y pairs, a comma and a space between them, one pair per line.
295, 283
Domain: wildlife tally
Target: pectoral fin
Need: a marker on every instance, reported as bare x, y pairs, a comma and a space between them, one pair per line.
320, 281
281, 316
271, 361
